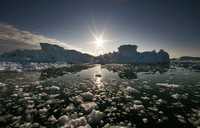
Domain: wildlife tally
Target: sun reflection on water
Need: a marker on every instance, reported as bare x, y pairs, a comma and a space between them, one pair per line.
98, 77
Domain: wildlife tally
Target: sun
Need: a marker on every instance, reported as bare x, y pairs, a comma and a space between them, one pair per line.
99, 41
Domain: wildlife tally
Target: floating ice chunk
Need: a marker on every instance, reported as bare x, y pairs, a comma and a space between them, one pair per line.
2, 85
178, 104
54, 101
131, 90
52, 119
145, 98
35, 125
114, 126
138, 107
154, 108
160, 101
175, 96
30, 106
145, 82
195, 117
26, 94
43, 110
87, 96
53, 96
25, 125
155, 97
56, 88
69, 108
168, 85
145, 120
138, 102
63, 120
88, 106
77, 99
95, 116
16, 118
181, 118
78, 123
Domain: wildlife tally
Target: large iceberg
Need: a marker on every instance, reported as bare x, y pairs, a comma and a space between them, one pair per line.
47, 53
129, 54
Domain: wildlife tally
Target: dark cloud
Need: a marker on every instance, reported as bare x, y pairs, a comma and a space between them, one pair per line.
12, 38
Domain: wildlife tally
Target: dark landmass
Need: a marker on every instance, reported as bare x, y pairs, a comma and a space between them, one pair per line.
53, 53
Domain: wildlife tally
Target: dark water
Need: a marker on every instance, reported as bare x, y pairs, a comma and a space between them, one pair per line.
109, 96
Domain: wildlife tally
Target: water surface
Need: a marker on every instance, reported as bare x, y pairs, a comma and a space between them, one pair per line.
101, 96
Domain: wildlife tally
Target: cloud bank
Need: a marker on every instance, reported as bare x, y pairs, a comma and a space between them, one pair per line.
12, 38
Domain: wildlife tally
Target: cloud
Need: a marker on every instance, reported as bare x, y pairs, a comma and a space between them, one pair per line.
10, 45
12, 38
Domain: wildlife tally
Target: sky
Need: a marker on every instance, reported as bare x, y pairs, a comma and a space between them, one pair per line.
172, 25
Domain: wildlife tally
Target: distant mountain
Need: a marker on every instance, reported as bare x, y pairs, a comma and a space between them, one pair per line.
187, 58
54, 53
129, 54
